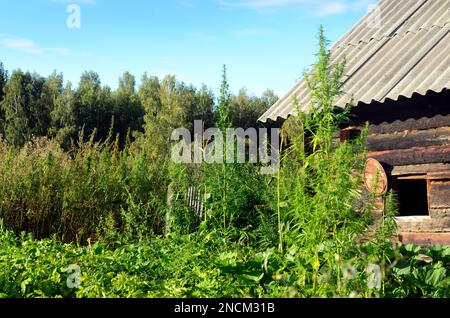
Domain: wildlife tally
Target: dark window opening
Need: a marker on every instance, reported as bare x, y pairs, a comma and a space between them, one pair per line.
412, 197
350, 133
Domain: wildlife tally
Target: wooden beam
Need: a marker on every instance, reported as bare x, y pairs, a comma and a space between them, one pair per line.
439, 175
415, 177
419, 169
425, 239
418, 155
409, 139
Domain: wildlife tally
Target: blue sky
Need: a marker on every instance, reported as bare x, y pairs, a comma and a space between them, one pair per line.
264, 43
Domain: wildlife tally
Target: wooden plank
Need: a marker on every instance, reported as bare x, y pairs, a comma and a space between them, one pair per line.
415, 177
425, 239
409, 139
440, 194
441, 175
419, 169
419, 155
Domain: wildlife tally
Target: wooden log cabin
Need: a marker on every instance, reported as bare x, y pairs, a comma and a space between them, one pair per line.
398, 78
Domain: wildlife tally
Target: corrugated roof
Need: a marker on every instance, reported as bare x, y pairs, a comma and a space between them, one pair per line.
400, 48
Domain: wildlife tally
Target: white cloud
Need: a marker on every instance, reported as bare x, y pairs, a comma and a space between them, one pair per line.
317, 7
332, 8
28, 46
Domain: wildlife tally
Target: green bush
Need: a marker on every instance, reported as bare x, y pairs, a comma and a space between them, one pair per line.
46, 191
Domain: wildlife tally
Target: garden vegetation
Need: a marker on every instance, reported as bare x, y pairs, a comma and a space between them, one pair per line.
92, 206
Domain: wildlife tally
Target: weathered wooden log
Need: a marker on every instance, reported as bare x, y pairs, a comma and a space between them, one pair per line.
419, 169
412, 156
425, 239
409, 139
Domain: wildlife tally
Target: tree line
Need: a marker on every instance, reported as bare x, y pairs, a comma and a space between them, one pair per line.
35, 106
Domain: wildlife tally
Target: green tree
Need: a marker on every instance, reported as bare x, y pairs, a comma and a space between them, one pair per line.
159, 101
171, 104
176, 101
247, 109
63, 121
93, 106
268, 99
149, 95
128, 110
3, 81
48, 101
204, 107
24, 115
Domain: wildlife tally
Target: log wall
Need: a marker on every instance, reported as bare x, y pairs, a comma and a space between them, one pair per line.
411, 138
